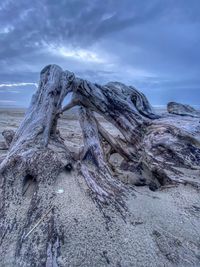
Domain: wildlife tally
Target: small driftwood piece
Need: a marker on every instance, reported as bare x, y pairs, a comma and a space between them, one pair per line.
36, 225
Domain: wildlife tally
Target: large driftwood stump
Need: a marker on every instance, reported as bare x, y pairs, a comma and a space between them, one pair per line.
156, 148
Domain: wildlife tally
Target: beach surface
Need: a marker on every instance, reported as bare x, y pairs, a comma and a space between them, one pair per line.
162, 228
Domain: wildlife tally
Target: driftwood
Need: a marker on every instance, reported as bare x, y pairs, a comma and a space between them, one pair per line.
36, 154
94, 168
149, 144
183, 110
135, 98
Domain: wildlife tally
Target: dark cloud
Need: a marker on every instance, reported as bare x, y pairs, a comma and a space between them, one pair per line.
154, 45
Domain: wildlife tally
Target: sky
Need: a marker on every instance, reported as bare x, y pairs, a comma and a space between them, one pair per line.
153, 45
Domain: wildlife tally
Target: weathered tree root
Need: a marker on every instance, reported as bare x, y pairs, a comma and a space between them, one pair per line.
114, 103
167, 149
37, 153
93, 167
182, 110
117, 145
135, 98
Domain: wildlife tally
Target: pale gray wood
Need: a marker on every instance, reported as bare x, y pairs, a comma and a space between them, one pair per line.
94, 168
183, 110
162, 147
36, 155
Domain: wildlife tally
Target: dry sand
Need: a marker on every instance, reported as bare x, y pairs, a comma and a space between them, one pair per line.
161, 229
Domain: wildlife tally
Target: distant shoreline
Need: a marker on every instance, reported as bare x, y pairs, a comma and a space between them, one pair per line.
23, 109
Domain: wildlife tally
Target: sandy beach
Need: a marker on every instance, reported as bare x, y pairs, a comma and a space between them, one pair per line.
162, 228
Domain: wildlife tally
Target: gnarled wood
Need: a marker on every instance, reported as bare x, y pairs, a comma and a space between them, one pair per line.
183, 110
110, 102
117, 145
163, 147
136, 99
36, 156
111, 105
93, 165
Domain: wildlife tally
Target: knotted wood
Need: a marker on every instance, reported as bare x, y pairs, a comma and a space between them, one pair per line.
158, 148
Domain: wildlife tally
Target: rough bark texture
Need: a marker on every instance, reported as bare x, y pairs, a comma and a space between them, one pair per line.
146, 138
35, 158
136, 99
94, 168
183, 110
157, 148
111, 105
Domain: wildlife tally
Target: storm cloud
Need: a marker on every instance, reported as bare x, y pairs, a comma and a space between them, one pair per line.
153, 45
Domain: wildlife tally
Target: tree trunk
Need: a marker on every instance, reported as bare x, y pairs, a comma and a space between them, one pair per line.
27, 174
